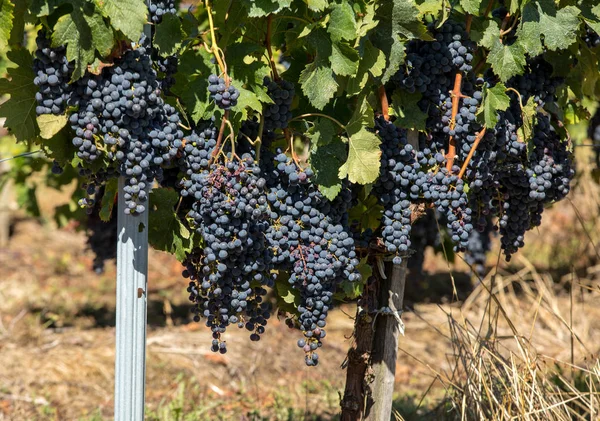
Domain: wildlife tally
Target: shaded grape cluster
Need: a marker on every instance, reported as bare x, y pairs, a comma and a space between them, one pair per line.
52, 75
224, 96
158, 9
278, 114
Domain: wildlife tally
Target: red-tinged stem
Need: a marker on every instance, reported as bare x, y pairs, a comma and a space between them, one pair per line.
385, 106
471, 152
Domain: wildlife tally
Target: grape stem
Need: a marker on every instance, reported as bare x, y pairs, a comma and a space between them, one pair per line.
456, 97
290, 140
471, 152
385, 106
214, 47
489, 8
217, 148
269, 52
300, 117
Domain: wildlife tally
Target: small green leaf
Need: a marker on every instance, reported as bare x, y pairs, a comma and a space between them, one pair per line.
166, 231
318, 84
260, 8
344, 60
19, 110
83, 34
364, 156
322, 132
108, 200
326, 161
406, 108
506, 60
529, 115
372, 62
51, 124
6, 23
317, 5
471, 6
342, 24
127, 16
169, 35
494, 100
491, 32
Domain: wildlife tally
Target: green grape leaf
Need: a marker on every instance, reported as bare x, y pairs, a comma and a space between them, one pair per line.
430, 7
491, 32
372, 62
342, 24
404, 106
318, 84
529, 115
166, 232
127, 16
584, 79
326, 160
44, 7
192, 82
322, 132
260, 8
317, 5
506, 60
6, 23
344, 60
169, 35
364, 156
471, 6
399, 20
19, 110
367, 213
541, 19
494, 100
111, 189
83, 33
51, 124
247, 100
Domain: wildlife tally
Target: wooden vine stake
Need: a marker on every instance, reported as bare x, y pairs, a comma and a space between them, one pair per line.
371, 362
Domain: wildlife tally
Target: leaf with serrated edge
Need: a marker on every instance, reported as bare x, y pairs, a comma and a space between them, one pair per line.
51, 124
260, 8
506, 61
165, 230
364, 156
344, 60
19, 110
317, 5
529, 115
494, 100
409, 114
318, 84
108, 200
471, 6
169, 35
127, 16
82, 34
6, 23
373, 62
342, 24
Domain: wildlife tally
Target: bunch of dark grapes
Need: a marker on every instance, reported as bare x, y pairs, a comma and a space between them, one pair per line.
52, 75
480, 243
230, 211
398, 184
591, 38
310, 240
160, 8
278, 114
224, 96
167, 66
121, 112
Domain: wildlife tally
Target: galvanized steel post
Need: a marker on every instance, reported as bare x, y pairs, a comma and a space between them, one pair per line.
132, 287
